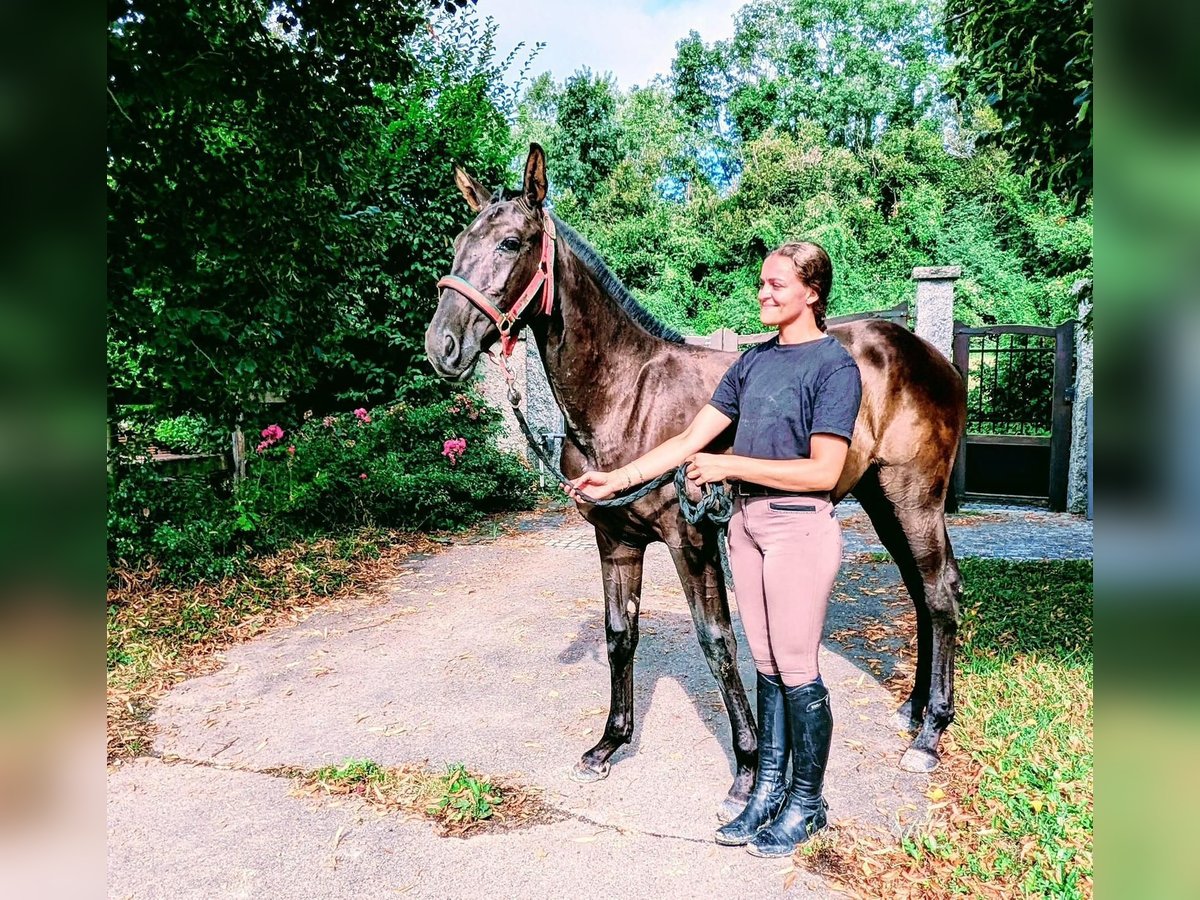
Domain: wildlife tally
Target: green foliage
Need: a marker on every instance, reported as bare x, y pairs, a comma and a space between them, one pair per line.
905, 202
1032, 61
699, 83
464, 797
825, 121
385, 468
278, 198
855, 69
576, 123
452, 109
186, 434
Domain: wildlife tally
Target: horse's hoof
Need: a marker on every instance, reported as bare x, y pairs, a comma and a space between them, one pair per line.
915, 760
729, 810
902, 722
585, 774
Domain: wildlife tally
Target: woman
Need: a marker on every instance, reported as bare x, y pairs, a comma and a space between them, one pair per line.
794, 399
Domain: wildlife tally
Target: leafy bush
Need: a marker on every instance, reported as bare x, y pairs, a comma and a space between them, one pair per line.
465, 797
184, 525
413, 466
188, 433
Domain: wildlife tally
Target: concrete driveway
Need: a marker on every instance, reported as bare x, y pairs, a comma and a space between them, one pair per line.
490, 654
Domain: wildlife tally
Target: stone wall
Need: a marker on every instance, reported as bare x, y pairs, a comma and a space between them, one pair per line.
537, 401
489, 379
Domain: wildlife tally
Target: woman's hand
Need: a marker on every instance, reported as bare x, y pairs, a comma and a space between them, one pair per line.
597, 485
705, 468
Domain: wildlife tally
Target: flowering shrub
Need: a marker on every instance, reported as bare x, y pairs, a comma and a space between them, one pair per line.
401, 466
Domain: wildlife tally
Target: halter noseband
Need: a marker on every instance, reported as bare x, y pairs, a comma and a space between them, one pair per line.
543, 279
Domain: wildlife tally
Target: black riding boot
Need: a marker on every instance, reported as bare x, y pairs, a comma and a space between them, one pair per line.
770, 785
810, 731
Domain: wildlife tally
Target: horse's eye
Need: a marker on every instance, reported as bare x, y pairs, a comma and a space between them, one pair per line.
510, 245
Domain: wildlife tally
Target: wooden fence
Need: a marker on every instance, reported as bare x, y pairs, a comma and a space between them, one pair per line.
726, 339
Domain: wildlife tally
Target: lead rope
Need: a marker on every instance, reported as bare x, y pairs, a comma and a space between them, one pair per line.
715, 502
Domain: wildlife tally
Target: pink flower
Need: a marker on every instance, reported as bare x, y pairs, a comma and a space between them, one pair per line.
363, 476
327, 421
271, 435
292, 450
362, 415
454, 448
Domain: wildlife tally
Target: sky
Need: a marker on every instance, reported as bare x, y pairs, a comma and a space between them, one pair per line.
633, 39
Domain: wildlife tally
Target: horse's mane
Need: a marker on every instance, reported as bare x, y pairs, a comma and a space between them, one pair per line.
612, 284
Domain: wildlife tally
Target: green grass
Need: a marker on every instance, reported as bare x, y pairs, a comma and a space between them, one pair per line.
1024, 717
457, 800
352, 773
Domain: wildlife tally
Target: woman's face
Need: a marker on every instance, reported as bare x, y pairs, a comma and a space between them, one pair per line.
782, 297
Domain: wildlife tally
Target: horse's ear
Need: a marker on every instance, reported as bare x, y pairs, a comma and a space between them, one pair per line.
477, 196
535, 176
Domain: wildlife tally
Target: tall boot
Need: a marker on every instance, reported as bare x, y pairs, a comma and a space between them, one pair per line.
810, 731
770, 785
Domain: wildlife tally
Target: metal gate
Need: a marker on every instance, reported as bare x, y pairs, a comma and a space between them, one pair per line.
1020, 382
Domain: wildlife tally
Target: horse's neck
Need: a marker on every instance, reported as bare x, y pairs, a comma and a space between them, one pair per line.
592, 352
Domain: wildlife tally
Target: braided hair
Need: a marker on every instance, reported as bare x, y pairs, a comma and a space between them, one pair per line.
813, 268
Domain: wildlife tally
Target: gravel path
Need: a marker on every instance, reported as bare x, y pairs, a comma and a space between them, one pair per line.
990, 530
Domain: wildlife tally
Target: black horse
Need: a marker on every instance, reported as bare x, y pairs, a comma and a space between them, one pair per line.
625, 383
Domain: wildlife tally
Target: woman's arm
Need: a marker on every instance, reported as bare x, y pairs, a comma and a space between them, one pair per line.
820, 472
701, 431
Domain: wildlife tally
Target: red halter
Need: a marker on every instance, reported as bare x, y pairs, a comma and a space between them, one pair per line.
543, 278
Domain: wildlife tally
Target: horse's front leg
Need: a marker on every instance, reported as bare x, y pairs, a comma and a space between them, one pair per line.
621, 566
704, 584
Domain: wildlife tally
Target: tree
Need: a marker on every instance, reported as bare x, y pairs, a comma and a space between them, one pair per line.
1032, 62
277, 183
452, 109
855, 68
537, 115
699, 83
588, 140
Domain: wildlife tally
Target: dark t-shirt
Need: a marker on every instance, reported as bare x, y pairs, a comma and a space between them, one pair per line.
781, 394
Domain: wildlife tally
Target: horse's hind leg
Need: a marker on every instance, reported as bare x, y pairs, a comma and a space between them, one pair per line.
621, 566
891, 533
699, 570
919, 512
943, 591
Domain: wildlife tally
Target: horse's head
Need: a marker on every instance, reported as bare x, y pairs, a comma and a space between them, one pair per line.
503, 263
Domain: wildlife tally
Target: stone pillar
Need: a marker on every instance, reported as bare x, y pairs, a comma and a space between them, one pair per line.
935, 305
1078, 486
